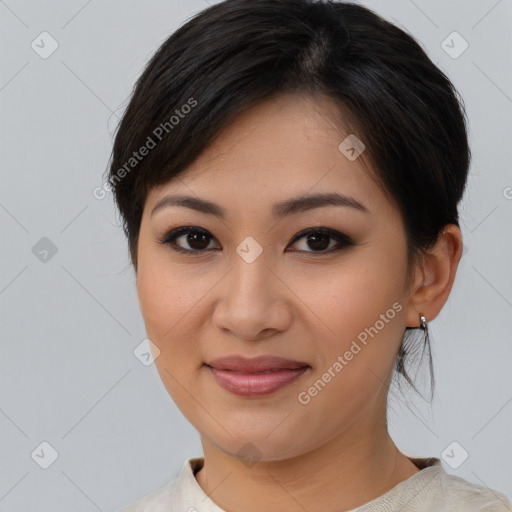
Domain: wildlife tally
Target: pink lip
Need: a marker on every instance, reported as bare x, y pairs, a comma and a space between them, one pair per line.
255, 384
256, 376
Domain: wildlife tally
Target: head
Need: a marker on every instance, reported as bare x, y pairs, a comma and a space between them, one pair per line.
246, 108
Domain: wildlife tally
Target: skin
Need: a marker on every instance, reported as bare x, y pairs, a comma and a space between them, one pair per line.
295, 301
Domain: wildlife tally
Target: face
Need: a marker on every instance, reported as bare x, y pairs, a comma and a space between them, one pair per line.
320, 284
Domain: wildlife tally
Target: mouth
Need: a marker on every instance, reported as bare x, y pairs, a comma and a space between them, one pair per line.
258, 364
257, 376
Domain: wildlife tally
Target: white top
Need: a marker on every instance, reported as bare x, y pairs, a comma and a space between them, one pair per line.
431, 489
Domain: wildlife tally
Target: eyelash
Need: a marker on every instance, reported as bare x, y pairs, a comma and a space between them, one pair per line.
172, 235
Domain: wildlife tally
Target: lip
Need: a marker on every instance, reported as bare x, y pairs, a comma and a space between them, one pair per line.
239, 363
255, 377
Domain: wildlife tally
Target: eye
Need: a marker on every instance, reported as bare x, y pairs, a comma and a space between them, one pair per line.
198, 240
319, 239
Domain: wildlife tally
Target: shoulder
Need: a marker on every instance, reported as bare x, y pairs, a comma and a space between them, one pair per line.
156, 501
432, 488
460, 494
177, 495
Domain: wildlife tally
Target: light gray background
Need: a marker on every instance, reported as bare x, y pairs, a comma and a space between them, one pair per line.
69, 326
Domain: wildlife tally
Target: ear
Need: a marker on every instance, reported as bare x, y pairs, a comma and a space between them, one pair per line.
434, 277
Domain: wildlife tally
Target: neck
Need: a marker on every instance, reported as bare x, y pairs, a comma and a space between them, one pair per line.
340, 475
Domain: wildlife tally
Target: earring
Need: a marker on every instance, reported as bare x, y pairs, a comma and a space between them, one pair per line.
424, 327
426, 345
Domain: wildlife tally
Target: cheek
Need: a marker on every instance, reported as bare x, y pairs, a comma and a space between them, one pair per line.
171, 300
345, 301
164, 296
356, 343
162, 302
167, 307
355, 310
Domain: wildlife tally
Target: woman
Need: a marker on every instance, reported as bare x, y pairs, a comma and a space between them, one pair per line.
288, 174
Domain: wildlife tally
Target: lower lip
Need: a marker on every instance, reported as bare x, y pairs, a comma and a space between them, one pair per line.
255, 384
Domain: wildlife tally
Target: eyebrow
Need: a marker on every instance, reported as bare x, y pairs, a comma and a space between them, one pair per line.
279, 210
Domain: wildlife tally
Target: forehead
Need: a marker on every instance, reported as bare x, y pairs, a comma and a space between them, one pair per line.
283, 147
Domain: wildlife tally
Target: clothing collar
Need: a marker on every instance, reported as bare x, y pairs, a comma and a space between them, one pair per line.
188, 495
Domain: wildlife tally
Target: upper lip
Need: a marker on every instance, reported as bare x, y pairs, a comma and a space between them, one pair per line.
254, 364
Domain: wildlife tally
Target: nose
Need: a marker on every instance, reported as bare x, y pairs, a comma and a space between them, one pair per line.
253, 302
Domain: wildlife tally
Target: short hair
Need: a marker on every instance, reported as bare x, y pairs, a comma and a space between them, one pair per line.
237, 53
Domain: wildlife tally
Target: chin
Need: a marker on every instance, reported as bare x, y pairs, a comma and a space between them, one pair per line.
259, 448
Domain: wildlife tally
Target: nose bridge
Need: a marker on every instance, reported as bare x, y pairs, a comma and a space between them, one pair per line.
251, 300
251, 278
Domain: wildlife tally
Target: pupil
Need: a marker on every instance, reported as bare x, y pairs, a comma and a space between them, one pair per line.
193, 238
314, 238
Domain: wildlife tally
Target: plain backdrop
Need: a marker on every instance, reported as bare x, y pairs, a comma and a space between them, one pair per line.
70, 320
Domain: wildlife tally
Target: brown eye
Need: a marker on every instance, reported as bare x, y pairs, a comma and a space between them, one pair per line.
196, 240
319, 240
188, 239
